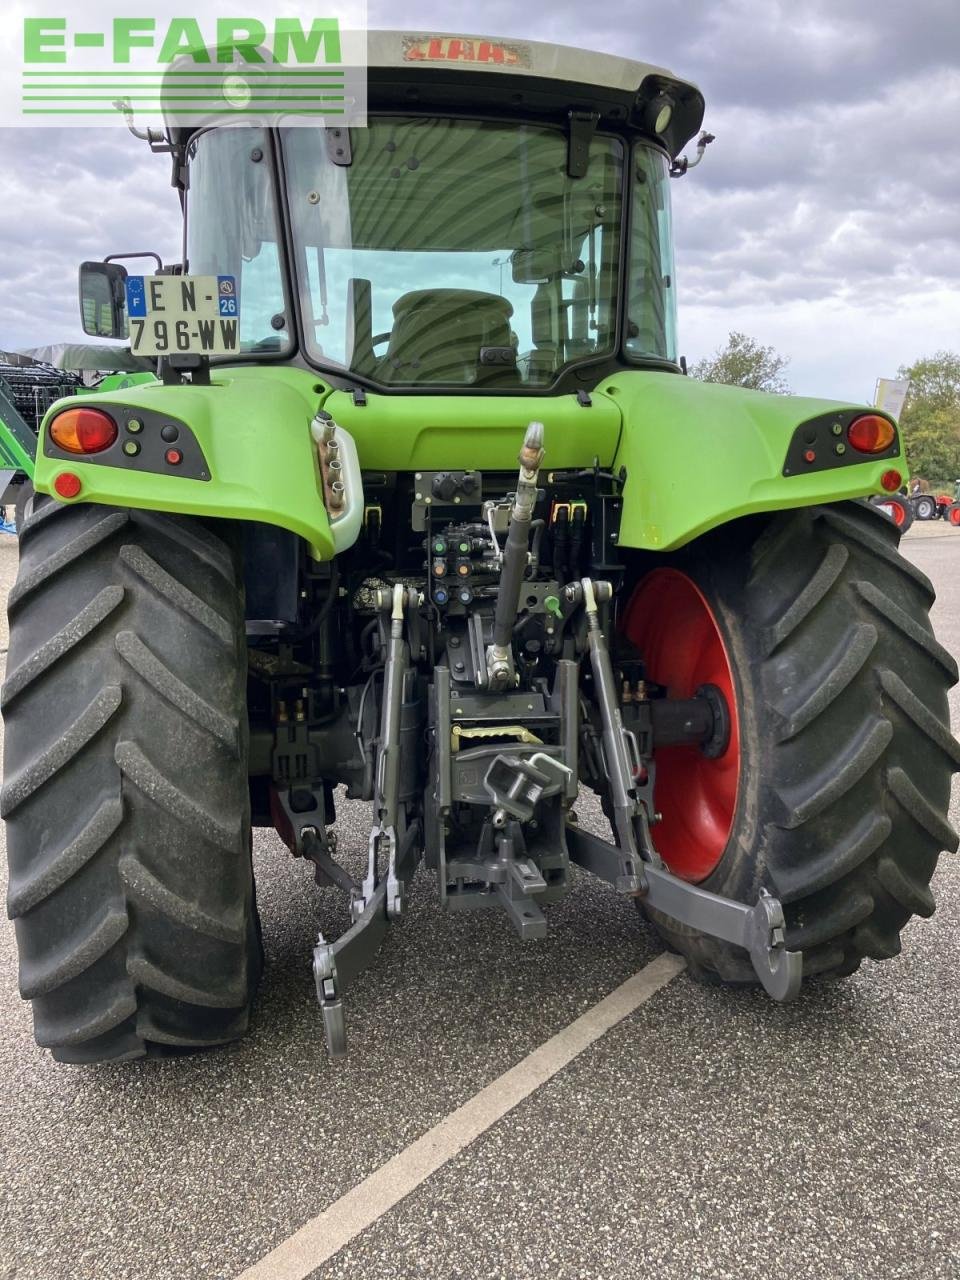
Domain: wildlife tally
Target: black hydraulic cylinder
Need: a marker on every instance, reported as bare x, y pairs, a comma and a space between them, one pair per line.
515, 555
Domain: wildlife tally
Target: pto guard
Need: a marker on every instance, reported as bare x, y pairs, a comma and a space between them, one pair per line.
254, 430
698, 455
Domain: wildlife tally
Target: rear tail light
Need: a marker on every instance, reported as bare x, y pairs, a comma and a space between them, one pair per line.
83, 430
870, 433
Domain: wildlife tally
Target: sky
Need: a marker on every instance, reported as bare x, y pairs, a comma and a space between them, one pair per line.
824, 221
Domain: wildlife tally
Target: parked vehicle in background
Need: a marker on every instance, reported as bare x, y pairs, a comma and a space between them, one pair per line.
897, 507
925, 507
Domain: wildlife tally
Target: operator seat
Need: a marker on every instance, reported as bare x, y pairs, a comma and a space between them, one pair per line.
437, 336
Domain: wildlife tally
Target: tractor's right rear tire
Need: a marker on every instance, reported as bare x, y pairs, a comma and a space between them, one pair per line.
125, 784
833, 791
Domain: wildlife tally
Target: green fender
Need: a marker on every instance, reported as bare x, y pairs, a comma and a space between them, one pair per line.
253, 426
699, 454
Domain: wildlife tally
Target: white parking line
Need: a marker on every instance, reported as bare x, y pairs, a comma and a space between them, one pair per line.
327, 1233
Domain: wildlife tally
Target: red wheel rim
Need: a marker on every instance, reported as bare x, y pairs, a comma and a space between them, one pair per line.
954, 516
895, 510
674, 628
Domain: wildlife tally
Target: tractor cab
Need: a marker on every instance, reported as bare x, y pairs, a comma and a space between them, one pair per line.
494, 227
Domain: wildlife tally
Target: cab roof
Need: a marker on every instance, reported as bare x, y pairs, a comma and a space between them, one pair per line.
446, 73
509, 57
461, 70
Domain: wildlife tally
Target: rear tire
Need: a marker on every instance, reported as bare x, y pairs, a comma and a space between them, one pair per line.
125, 784
846, 754
24, 494
925, 508
896, 509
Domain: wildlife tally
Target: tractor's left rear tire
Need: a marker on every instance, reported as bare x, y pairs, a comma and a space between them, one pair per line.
834, 789
24, 495
125, 787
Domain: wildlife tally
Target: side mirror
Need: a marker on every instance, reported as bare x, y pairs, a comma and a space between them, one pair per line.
103, 299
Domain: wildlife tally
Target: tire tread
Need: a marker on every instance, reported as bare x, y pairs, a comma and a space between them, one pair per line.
134, 908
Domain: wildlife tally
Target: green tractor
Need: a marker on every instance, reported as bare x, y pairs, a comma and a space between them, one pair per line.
420, 504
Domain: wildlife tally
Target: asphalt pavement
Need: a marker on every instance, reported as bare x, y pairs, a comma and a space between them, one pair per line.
709, 1134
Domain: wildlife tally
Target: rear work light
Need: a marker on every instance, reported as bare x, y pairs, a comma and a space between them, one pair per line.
870, 433
83, 430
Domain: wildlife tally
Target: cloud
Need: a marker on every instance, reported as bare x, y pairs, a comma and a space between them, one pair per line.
72, 195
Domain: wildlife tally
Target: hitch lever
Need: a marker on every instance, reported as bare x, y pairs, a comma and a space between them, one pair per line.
384, 835
620, 751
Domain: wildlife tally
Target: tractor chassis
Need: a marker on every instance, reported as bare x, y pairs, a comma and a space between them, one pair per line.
498, 826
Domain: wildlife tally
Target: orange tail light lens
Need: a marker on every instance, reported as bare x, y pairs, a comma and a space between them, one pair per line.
870, 433
83, 430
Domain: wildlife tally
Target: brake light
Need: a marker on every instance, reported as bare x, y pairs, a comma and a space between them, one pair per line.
870, 433
83, 430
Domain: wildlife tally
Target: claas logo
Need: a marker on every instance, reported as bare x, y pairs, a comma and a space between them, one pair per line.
463, 49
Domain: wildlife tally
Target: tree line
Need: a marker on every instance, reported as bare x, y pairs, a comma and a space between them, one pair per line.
929, 423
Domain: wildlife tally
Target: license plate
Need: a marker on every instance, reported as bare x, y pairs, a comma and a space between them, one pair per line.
183, 315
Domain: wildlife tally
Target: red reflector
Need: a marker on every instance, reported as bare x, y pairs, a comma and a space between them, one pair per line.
870, 433
891, 481
810, 456
67, 485
174, 457
83, 430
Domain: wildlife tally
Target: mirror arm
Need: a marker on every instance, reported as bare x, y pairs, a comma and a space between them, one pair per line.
146, 253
